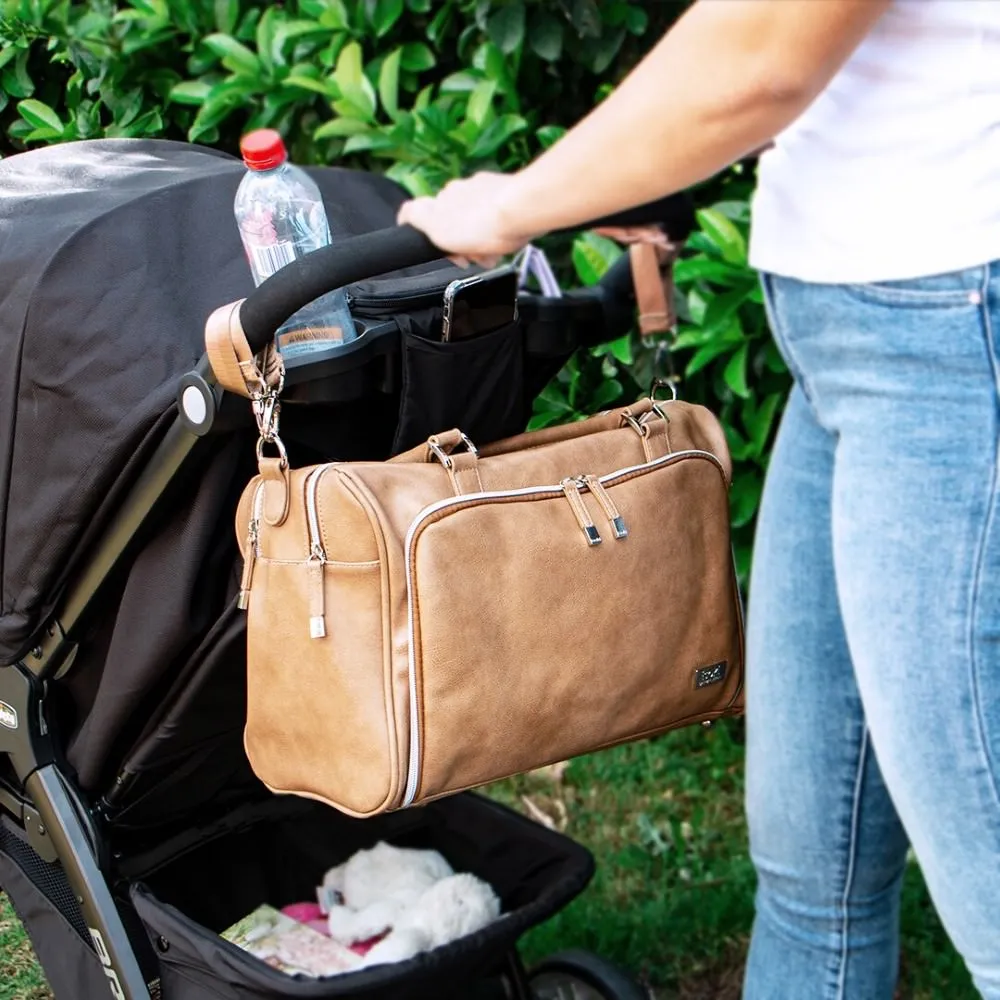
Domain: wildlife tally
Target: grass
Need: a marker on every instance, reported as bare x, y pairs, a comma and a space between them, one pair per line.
20, 976
673, 896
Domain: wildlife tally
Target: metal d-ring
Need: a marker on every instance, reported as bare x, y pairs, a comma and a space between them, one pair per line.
444, 457
641, 429
277, 442
663, 383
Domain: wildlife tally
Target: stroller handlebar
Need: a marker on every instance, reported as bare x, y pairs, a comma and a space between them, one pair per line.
397, 247
334, 266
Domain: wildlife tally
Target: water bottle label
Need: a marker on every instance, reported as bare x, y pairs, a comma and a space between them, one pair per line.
307, 339
270, 258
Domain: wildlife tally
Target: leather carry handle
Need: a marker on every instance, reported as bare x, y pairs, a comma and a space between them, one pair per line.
371, 254
450, 446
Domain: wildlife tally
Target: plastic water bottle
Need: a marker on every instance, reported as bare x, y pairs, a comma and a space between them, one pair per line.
281, 217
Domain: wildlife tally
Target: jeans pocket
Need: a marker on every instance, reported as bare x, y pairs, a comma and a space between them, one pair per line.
953, 289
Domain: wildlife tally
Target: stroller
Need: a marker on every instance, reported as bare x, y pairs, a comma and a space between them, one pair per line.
132, 830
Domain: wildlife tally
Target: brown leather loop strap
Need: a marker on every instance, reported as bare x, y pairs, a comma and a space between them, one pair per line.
277, 488
652, 276
233, 363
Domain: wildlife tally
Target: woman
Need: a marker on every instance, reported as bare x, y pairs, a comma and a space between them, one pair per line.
874, 631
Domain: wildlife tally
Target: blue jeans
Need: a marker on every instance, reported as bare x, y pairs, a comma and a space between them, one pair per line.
873, 688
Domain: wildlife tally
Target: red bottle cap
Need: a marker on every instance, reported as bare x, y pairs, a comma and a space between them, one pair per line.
263, 149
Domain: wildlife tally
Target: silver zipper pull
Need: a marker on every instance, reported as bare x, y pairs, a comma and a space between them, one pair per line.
317, 593
603, 497
249, 561
571, 487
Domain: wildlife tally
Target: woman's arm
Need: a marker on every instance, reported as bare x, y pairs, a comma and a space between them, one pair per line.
727, 78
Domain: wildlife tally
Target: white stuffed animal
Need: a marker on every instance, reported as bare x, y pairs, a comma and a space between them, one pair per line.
414, 895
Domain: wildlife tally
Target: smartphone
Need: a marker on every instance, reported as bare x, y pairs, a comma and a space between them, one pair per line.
480, 303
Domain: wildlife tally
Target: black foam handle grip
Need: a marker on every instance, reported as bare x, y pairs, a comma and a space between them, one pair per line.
371, 254
675, 213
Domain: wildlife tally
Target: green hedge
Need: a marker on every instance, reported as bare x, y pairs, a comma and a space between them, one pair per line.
423, 91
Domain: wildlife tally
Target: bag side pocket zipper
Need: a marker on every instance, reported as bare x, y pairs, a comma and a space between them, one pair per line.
253, 548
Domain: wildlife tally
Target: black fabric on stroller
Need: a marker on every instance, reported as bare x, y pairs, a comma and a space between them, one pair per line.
115, 252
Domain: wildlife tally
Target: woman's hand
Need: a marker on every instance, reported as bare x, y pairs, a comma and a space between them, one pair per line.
475, 219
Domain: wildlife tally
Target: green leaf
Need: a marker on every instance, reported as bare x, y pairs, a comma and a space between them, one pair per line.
496, 134
773, 360
462, 82
288, 31
388, 83
438, 27
609, 391
620, 350
227, 15
481, 101
423, 100
724, 235
235, 55
603, 50
355, 87
15, 81
737, 210
551, 399
744, 498
417, 58
721, 309
636, 20
721, 343
592, 256
190, 92
372, 141
332, 13
150, 123
39, 115
549, 135
314, 86
546, 36
544, 418
384, 14
222, 102
340, 128
505, 27
586, 18
127, 107
700, 268
735, 374
758, 421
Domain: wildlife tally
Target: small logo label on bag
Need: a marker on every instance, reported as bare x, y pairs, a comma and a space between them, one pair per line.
8, 717
706, 676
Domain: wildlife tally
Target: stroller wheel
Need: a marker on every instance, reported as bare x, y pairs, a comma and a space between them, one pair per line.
579, 975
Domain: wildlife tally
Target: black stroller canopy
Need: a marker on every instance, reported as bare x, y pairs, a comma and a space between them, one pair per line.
114, 253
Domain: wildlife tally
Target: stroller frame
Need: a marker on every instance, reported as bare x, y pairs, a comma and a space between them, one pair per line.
57, 822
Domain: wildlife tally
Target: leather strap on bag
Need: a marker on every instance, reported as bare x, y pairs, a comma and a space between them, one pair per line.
462, 467
235, 367
653, 278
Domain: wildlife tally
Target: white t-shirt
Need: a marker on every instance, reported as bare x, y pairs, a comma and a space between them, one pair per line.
894, 171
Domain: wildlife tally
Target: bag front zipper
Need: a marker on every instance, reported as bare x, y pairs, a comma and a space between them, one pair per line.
568, 487
317, 560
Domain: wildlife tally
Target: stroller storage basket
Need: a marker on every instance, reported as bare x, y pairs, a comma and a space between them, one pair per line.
280, 854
